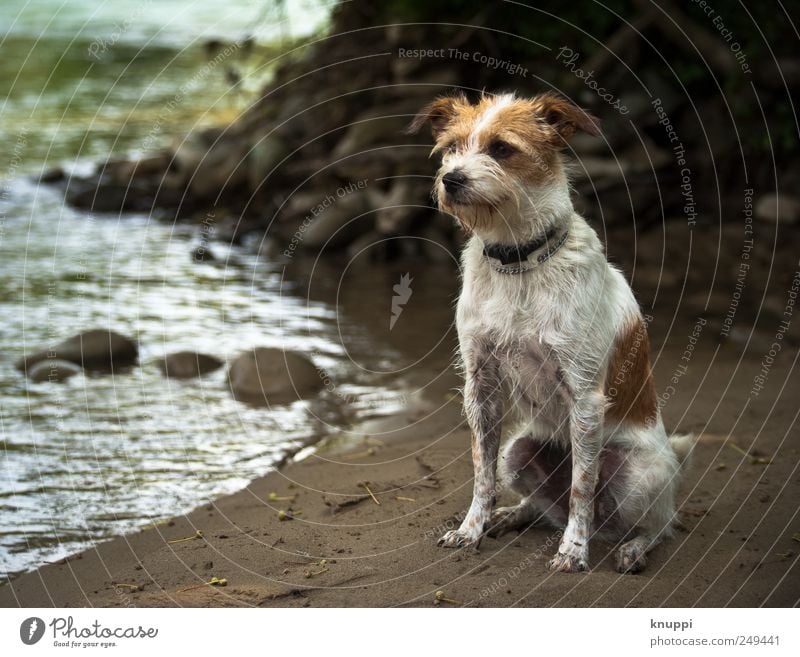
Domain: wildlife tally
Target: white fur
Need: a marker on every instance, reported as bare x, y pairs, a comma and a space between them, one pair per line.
523, 332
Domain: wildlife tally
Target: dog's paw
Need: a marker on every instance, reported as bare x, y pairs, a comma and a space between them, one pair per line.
506, 519
567, 563
458, 538
501, 521
631, 559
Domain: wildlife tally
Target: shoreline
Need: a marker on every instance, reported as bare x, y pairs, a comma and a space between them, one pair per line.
342, 548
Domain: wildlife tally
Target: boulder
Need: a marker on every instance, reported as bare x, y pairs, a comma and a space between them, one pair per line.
262, 160
53, 175
219, 168
188, 364
375, 127
774, 207
202, 253
401, 205
96, 350
125, 171
338, 221
52, 371
266, 376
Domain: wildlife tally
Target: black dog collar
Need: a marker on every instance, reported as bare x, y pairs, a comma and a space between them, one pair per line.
516, 258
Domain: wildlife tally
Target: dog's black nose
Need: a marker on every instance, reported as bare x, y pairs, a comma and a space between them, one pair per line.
454, 181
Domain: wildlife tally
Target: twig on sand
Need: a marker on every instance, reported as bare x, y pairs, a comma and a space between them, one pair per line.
366, 487
215, 581
197, 535
300, 590
274, 497
132, 587
338, 506
308, 574
755, 459
439, 598
357, 455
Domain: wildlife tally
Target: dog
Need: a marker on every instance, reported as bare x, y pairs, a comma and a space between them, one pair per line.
550, 338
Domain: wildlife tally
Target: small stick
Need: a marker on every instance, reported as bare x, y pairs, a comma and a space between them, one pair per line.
274, 497
215, 581
405, 499
440, 597
321, 562
197, 534
374, 499
358, 455
755, 460
133, 587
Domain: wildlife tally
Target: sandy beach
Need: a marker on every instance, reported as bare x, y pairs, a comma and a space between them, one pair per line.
356, 525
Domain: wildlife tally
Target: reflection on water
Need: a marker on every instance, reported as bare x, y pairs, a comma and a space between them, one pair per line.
99, 455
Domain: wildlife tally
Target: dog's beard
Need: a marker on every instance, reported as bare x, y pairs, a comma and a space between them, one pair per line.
474, 211
471, 216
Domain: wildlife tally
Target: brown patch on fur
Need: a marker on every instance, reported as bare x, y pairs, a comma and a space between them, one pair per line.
535, 130
564, 117
630, 388
440, 113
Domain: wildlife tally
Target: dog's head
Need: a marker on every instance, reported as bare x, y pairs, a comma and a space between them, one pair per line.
499, 149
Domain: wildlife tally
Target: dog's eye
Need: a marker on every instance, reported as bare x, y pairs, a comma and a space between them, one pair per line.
500, 149
450, 148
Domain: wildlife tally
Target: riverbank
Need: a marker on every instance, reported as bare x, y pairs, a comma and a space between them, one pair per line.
334, 544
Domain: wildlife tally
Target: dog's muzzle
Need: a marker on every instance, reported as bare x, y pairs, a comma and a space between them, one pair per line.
455, 183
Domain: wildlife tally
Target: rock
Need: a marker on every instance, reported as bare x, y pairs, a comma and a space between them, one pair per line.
583, 144
90, 194
374, 127
266, 155
401, 204
781, 207
437, 246
188, 151
266, 376
220, 168
654, 278
337, 222
371, 247
645, 156
201, 253
53, 175
188, 364
123, 172
95, 350
52, 371
600, 167
754, 340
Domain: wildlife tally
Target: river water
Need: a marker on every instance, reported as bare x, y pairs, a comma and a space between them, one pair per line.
96, 456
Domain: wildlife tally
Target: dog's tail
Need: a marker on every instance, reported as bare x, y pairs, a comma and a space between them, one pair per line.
683, 444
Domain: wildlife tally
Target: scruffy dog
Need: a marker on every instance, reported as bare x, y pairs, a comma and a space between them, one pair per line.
550, 331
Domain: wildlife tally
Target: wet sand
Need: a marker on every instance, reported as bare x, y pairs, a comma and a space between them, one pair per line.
361, 526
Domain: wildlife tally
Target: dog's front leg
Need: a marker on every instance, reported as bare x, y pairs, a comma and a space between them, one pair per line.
483, 406
586, 419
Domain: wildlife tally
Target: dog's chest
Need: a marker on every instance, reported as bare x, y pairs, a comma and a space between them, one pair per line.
534, 379
520, 329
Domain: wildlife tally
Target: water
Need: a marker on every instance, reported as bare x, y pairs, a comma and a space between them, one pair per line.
100, 455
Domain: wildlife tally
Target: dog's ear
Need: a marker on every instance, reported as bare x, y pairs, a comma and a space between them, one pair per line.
439, 113
564, 117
